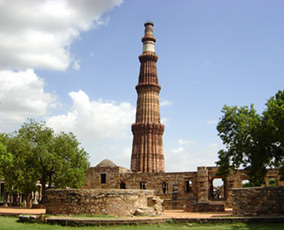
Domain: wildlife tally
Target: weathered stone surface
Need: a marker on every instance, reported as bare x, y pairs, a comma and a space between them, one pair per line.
97, 201
178, 189
258, 201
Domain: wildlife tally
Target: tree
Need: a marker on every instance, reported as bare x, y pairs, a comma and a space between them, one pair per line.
6, 160
253, 142
17, 164
3, 151
58, 159
71, 164
274, 123
36, 153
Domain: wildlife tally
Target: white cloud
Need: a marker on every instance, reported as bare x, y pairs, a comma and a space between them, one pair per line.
177, 160
103, 128
165, 103
123, 158
187, 142
190, 156
38, 34
22, 95
178, 150
95, 119
76, 65
164, 120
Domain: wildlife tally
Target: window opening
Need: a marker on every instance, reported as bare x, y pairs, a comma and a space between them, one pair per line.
218, 188
188, 186
143, 185
165, 187
122, 185
103, 178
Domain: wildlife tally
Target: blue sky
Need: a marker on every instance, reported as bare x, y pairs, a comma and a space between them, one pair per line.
74, 64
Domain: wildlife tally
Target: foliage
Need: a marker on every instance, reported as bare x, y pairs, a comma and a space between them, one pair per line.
247, 185
272, 182
274, 122
17, 165
71, 163
254, 142
35, 153
6, 160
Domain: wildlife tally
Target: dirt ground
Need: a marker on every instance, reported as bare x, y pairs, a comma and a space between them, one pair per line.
16, 210
182, 214
167, 213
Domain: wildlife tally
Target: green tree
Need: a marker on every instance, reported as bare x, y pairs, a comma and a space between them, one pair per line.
58, 159
17, 165
35, 153
253, 142
274, 126
71, 164
40, 138
6, 160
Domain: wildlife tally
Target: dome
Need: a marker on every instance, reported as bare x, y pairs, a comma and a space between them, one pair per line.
106, 163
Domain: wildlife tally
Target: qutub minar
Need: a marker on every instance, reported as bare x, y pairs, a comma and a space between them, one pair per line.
147, 150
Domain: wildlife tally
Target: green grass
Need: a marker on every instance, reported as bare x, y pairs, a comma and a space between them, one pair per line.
10, 223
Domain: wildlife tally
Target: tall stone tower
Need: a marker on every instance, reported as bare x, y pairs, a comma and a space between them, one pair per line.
147, 150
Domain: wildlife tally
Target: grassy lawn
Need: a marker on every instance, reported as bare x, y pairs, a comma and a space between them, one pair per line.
10, 223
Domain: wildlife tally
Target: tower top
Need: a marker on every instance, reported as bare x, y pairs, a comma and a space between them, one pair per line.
149, 39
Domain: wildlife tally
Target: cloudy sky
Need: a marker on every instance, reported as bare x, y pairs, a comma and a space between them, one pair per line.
74, 64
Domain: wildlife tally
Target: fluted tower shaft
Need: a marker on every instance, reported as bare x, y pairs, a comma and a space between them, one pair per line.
147, 150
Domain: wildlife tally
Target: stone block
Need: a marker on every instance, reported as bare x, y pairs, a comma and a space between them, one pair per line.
258, 201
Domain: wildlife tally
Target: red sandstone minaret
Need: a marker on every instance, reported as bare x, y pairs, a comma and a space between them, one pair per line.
147, 150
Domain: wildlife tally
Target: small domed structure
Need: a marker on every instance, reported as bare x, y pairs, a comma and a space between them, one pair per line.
106, 163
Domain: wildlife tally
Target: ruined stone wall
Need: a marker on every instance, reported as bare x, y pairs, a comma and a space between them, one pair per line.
93, 179
176, 189
258, 201
234, 181
96, 201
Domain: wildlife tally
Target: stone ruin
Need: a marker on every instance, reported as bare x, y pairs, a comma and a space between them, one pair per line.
258, 201
113, 202
190, 191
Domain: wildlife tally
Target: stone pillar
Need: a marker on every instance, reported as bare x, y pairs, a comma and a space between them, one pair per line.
203, 185
147, 149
